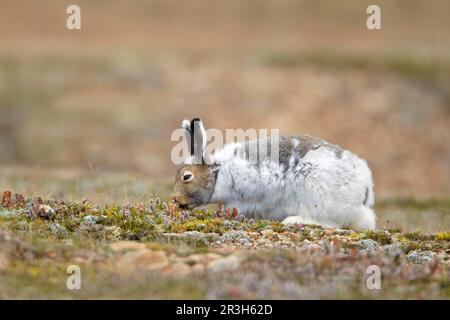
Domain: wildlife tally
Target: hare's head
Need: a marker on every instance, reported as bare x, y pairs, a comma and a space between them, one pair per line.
196, 179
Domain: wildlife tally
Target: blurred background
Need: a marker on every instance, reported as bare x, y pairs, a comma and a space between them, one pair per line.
88, 114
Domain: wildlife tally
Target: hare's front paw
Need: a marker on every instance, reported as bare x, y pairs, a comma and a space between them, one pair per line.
293, 220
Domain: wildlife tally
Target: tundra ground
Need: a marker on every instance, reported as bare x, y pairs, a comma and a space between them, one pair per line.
154, 250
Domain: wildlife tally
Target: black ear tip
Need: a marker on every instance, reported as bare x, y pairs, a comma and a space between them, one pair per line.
193, 121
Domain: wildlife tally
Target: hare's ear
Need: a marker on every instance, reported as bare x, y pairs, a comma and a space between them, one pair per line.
188, 136
198, 143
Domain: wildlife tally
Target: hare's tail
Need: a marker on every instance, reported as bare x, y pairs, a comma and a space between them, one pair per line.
365, 219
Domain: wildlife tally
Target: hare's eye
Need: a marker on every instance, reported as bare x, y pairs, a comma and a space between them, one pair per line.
188, 176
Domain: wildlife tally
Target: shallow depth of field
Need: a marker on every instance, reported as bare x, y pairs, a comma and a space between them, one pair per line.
85, 124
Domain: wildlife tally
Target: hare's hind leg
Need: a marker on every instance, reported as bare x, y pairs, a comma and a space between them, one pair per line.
293, 220
302, 220
361, 218
364, 219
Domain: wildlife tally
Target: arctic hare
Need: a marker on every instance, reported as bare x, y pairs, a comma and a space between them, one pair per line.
312, 181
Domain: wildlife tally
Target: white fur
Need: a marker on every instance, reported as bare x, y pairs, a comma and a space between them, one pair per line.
322, 188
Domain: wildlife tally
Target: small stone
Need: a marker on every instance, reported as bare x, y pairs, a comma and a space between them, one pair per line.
394, 249
57, 228
212, 236
188, 236
90, 219
227, 223
235, 235
286, 243
367, 246
192, 234
310, 245
420, 257
244, 241
89, 226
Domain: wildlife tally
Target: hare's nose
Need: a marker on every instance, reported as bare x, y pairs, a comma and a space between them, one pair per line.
175, 198
178, 202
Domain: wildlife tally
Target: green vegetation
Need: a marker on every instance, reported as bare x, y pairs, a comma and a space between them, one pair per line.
155, 250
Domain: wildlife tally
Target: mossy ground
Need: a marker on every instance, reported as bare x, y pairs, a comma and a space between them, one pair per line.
155, 250
90, 115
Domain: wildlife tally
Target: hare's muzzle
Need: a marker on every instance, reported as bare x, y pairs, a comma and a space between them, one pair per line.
179, 202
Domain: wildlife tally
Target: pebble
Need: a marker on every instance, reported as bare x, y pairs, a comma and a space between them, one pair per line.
57, 228
368, 246
420, 257
90, 219
227, 223
394, 249
235, 235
